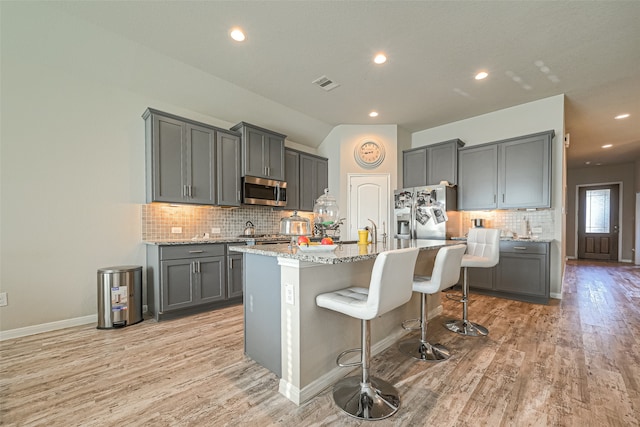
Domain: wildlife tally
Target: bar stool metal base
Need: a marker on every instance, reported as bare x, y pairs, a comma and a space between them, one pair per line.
422, 350
375, 400
464, 327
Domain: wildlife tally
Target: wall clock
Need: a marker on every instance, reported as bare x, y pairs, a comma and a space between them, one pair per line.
369, 154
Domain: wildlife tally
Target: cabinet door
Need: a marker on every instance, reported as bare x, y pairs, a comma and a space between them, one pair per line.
292, 177
522, 274
211, 279
274, 157
228, 169
167, 168
200, 165
234, 276
478, 178
177, 283
313, 174
524, 173
481, 278
414, 168
322, 177
254, 161
442, 163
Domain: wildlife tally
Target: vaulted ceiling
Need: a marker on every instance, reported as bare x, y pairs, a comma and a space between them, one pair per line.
588, 51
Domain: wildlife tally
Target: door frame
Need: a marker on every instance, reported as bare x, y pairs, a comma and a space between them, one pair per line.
387, 176
577, 212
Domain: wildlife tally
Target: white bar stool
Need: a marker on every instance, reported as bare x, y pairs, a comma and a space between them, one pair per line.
446, 273
483, 250
368, 397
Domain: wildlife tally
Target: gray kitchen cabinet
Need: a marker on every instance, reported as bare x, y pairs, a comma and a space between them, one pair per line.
228, 169
523, 270
307, 176
478, 177
292, 177
431, 164
183, 161
414, 167
184, 279
262, 152
509, 174
522, 273
234, 274
524, 177
314, 178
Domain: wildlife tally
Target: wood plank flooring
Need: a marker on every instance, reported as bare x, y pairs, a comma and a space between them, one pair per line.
575, 362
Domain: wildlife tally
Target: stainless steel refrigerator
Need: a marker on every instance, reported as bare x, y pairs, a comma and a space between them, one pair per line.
425, 212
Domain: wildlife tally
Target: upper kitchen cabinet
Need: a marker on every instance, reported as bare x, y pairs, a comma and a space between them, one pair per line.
263, 152
524, 178
478, 178
431, 164
509, 174
292, 177
183, 165
228, 169
307, 176
314, 178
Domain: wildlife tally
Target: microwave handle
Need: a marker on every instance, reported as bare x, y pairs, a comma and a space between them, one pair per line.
277, 192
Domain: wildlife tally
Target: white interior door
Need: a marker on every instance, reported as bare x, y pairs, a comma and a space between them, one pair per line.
369, 198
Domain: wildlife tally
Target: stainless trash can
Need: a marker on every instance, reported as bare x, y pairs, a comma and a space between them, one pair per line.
119, 296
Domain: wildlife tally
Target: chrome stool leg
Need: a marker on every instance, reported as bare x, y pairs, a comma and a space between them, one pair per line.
366, 397
464, 326
421, 349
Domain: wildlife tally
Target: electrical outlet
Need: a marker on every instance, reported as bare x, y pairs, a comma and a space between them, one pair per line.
536, 230
3, 299
176, 230
289, 294
215, 230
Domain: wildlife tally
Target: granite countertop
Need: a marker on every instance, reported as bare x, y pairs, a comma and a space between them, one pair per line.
347, 252
533, 239
213, 240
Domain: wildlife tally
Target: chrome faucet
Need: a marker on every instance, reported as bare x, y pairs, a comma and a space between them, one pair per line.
374, 231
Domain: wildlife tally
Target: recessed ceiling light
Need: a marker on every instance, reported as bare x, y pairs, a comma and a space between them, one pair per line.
380, 58
373, 114
237, 34
607, 146
481, 75
587, 163
621, 116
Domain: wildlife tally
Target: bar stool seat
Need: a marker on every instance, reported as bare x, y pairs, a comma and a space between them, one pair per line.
367, 397
446, 273
483, 250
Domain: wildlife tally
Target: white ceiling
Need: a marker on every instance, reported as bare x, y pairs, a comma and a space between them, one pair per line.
591, 49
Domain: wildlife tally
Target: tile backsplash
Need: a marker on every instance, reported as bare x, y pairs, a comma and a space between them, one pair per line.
159, 218
514, 221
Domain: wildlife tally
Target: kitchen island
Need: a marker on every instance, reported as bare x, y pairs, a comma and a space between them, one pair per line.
287, 333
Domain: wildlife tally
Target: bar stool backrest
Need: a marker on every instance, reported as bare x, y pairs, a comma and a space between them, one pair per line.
446, 269
485, 243
391, 281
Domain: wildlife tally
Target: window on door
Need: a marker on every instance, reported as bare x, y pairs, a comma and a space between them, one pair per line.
597, 211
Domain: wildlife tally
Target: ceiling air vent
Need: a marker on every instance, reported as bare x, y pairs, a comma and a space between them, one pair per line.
325, 83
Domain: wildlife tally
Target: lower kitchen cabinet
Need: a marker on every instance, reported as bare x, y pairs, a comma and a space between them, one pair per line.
184, 279
522, 273
234, 275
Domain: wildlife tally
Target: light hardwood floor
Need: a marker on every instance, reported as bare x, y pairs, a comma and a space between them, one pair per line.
575, 362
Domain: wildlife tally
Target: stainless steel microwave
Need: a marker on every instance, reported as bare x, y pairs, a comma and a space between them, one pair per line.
263, 191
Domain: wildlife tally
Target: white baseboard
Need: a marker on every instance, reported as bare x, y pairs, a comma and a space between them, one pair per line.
555, 295
47, 327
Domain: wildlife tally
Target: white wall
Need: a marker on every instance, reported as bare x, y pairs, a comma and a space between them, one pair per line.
537, 116
72, 154
339, 147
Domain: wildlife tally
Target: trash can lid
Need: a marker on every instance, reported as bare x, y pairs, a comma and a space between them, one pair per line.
119, 269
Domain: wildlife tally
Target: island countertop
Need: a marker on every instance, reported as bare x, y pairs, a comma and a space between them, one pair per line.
343, 253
